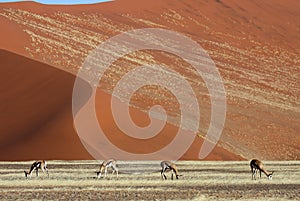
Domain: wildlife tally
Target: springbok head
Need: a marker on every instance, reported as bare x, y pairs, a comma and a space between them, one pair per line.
270, 176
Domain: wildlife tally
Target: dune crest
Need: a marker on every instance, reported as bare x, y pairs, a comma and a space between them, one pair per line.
255, 45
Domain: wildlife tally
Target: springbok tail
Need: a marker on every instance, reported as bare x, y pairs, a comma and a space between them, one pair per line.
26, 174
98, 174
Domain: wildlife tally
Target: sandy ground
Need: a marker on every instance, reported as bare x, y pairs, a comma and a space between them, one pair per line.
200, 180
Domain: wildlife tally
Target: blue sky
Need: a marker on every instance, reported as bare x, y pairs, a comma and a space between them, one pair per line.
62, 1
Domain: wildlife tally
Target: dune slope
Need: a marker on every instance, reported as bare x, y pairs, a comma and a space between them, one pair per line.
255, 45
36, 116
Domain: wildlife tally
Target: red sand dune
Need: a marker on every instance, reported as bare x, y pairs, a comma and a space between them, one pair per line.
255, 45
37, 117
36, 111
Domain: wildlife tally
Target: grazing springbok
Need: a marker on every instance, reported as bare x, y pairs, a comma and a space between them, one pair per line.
167, 166
256, 165
106, 164
36, 166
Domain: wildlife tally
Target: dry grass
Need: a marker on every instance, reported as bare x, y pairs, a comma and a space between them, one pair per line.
200, 180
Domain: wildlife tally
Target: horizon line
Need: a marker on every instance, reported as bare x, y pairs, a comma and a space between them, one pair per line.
58, 2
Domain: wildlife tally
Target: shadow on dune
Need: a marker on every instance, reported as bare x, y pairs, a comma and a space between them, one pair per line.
36, 111
37, 121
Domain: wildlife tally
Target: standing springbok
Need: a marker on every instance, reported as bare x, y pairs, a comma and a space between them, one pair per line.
106, 164
167, 166
256, 165
36, 166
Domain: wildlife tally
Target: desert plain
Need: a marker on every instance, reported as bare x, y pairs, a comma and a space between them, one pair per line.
140, 180
255, 46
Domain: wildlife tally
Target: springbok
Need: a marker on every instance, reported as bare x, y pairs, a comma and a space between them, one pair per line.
167, 166
105, 165
256, 165
36, 166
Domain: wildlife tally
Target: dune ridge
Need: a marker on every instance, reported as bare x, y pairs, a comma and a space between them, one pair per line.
256, 53
37, 119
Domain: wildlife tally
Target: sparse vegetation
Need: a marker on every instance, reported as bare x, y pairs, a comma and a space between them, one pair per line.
201, 180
